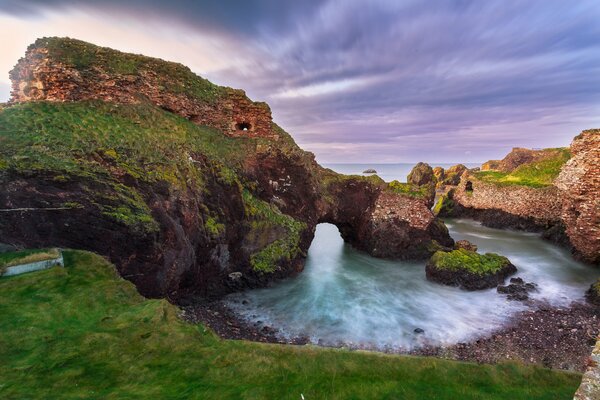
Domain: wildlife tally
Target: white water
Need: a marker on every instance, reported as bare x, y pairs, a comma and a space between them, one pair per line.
347, 297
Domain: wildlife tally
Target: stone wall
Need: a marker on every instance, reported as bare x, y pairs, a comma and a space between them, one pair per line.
40, 76
590, 384
542, 206
579, 181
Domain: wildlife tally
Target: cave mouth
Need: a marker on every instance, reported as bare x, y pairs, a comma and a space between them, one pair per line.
469, 187
243, 126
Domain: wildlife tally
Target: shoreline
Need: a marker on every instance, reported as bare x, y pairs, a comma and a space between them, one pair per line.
553, 337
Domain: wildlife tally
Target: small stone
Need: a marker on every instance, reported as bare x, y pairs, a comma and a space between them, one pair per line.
419, 330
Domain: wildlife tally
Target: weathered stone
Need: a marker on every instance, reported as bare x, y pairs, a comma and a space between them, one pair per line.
453, 174
465, 244
579, 182
517, 157
421, 174
43, 75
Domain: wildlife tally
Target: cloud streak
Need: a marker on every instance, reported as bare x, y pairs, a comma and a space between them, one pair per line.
452, 80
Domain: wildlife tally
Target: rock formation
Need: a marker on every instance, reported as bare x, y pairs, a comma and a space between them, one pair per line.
566, 210
518, 156
188, 187
421, 174
469, 270
579, 183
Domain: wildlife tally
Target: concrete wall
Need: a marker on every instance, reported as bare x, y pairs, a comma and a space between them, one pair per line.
35, 266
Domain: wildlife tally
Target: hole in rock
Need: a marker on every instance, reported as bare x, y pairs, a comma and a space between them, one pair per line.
469, 187
243, 126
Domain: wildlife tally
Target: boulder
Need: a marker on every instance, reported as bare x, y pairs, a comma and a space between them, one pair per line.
468, 269
453, 174
517, 289
421, 174
369, 171
465, 244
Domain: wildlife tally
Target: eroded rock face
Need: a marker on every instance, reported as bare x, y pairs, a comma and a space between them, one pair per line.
70, 70
517, 157
579, 182
518, 207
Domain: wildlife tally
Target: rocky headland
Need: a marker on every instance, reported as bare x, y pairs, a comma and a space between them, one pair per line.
188, 187
553, 191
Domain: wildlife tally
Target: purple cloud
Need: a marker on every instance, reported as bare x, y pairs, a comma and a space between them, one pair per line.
447, 80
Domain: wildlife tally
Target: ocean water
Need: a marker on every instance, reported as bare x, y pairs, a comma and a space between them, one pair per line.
387, 172
346, 297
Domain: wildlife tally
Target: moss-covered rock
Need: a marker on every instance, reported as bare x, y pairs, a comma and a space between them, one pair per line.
421, 174
593, 293
468, 269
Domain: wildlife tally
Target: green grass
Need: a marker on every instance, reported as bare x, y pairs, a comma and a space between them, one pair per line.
461, 259
407, 189
81, 332
536, 174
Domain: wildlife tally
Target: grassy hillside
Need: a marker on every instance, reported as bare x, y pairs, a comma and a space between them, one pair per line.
535, 174
82, 332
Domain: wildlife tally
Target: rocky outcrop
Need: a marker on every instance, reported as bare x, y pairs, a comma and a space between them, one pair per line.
517, 157
517, 207
57, 69
468, 269
452, 175
421, 174
579, 183
181, 209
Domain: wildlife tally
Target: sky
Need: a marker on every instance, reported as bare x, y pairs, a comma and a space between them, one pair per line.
374, 81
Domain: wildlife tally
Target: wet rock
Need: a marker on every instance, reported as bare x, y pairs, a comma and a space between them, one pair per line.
593, 293
518, 289
468, 269
419, 330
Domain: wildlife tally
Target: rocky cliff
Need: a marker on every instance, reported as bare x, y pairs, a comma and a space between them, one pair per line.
579, 182
555, 191
188, 187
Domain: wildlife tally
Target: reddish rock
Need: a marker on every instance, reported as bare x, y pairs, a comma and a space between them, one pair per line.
579, 182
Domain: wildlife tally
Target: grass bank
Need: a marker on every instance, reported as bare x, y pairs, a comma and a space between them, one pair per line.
82, 332
535, 174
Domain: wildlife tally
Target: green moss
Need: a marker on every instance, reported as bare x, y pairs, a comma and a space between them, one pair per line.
281, 250
424, 191
596, 287
536, 174
85, 333
213, 227
461, 259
